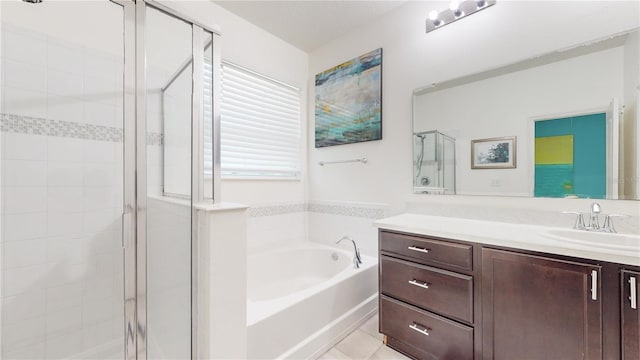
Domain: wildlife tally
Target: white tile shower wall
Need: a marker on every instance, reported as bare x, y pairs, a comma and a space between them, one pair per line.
62, 196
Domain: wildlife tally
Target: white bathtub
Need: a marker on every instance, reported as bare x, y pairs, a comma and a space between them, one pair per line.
303, 298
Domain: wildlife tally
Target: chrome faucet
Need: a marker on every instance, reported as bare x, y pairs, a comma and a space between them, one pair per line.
356, 252
594, 220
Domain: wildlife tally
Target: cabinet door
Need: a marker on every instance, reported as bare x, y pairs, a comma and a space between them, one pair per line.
539, 308
630, 315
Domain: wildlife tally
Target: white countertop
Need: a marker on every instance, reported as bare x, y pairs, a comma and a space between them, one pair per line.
615, 248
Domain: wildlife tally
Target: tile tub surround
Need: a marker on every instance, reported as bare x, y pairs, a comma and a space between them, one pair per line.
362, 210
317, 221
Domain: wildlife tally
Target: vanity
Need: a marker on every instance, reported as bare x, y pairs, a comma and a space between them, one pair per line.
454, 288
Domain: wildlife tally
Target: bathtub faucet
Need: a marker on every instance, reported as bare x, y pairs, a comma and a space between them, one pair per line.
356, 252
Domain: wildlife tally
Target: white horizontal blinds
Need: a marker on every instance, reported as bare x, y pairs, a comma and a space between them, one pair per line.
260, 125
208, 117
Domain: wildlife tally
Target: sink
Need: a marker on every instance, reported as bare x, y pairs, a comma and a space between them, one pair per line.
597, 239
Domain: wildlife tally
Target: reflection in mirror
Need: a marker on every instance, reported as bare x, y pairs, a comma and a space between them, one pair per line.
434, 163
573, 157
573, 111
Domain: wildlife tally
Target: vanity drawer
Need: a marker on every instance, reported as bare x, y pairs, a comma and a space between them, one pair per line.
441, 291
437, 337
447, 254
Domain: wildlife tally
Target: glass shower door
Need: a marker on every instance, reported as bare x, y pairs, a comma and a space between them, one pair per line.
168, 47
178, 93
62, 150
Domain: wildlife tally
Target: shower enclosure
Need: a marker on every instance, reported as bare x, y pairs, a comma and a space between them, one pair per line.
434, 155
96, 262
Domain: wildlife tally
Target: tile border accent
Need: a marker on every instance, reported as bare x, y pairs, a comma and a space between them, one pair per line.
38, 126
360, 211
277, 209
68, 129
346, 209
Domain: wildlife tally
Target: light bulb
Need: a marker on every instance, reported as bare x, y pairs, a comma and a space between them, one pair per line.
481, 3
455, 7
433, 15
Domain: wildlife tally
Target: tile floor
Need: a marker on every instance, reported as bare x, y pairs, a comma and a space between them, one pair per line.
364, 343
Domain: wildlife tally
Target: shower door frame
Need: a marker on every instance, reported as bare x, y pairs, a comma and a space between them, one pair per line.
135, 166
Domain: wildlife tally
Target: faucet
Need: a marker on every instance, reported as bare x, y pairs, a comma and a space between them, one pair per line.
594, 221
356, 253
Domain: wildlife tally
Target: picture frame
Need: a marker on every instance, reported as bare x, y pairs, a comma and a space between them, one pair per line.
348, 101
494, 153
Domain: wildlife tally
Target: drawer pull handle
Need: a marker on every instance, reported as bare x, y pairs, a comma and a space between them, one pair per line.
419, 328
418, 249
422, 284
594, 285
633, 298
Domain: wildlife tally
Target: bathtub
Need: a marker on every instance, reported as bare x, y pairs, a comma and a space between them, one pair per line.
303, 298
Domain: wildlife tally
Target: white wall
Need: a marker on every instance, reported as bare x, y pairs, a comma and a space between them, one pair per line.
508, 32
247, 45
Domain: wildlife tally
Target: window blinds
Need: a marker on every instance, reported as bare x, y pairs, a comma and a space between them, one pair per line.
260, 125
208, 118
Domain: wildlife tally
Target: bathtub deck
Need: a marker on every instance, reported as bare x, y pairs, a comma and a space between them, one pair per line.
363, 343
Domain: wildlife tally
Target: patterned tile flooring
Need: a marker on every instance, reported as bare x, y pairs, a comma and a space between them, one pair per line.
364, 343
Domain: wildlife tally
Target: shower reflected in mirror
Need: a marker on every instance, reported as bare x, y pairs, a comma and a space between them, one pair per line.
434, 163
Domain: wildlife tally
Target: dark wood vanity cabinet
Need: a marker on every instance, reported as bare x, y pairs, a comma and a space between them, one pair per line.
427, 296
630, 314
539, 308
449, 299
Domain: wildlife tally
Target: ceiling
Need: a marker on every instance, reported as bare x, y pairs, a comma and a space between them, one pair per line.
308, 25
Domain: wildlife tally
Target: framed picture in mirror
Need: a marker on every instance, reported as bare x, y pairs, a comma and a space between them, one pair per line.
494, 153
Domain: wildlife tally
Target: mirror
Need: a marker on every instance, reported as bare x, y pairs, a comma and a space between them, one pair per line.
564, 124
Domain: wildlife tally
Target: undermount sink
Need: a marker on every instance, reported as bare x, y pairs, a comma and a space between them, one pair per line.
598, 239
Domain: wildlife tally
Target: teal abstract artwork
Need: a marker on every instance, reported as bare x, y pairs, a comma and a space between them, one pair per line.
348, 101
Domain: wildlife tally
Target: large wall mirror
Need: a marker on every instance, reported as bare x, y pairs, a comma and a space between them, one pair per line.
564, 124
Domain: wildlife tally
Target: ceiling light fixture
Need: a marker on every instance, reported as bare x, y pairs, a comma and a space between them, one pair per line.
433, 16
455, 7
456, 11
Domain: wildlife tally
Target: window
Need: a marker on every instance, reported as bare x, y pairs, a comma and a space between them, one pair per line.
260, 126
208, 115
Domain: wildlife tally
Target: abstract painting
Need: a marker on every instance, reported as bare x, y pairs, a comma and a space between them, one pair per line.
348, 101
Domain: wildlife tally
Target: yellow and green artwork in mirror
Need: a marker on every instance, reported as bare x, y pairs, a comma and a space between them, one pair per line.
570, 157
